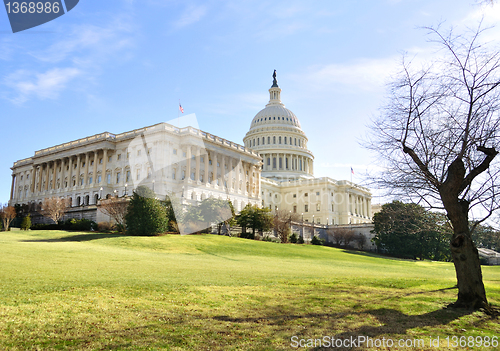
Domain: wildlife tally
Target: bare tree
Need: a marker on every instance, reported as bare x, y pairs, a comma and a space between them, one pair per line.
7, 214
341, 235
360, 239
282, 224
115, 208
437, 138
54, 208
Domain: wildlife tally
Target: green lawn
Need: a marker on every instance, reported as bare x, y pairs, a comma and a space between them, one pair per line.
63, 290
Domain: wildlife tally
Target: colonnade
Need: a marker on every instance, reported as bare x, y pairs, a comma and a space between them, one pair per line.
287, 162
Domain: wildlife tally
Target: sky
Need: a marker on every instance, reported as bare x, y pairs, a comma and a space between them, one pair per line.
119, 65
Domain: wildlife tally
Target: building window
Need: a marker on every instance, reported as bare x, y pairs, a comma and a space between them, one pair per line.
119, 157
268, 161
110, 158
138, 174
83, 165
306, 194
274, 140
281, 163
202, 159
149, 173
201, 178
173, 173
306, 208
183, 154
279, 139
318, 207
127, 177
99, 179
118, 175
82, 181
258, 141
285, 140
286, 163
269, 140
263, 140
174, 151
218, 164
274, 162
295, 141
74, 167
295, 209
90, 180
192, 175
108, 178
183, 175
294, 196
317, 193
91, 163
210, 162
100, 161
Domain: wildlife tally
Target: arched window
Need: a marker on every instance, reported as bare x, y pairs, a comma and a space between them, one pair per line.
78, 201
269, 140
96, 198
263, 140
274, 162
274, 140
279, 139
87, 200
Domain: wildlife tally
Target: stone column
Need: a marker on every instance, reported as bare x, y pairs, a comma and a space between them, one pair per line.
86, 170
63, 171
188, 164
104, 164
46, 187
33, 179
54, 175
70, 173
13, 186
222, 169
79, 164
197, 173
230, 174
207, 156
94, 170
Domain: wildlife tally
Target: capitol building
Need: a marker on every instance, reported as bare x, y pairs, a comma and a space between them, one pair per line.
274, 169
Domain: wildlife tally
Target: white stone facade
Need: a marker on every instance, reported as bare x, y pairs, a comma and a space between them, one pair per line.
187, 162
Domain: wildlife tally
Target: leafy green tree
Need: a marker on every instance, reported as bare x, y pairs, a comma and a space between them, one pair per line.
26, 223
255, 218
173, 209
145, 214
486, 237
408, 230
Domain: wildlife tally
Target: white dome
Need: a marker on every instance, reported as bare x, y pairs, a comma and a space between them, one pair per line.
275, 114
275, 133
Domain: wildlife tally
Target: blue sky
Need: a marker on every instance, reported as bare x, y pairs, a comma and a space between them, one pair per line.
118, 65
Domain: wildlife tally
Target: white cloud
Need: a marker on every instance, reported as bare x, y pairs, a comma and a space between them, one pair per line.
80, 54
363, 74
191, 14
45, 85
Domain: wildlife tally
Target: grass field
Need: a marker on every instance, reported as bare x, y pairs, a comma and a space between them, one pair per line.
81, 291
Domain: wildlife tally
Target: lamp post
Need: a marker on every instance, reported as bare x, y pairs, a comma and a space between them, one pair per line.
126, 189
100, 193
115, 191
153, 185
313, 227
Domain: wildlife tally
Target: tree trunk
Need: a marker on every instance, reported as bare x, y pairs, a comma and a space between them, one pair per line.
471, 292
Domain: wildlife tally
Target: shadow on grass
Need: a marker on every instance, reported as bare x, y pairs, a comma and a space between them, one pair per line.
76, 238
378, 255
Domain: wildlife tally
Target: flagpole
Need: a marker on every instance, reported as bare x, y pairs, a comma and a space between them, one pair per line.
178, 115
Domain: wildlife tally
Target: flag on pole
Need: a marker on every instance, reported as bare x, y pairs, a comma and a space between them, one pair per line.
180, 108
352, 171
